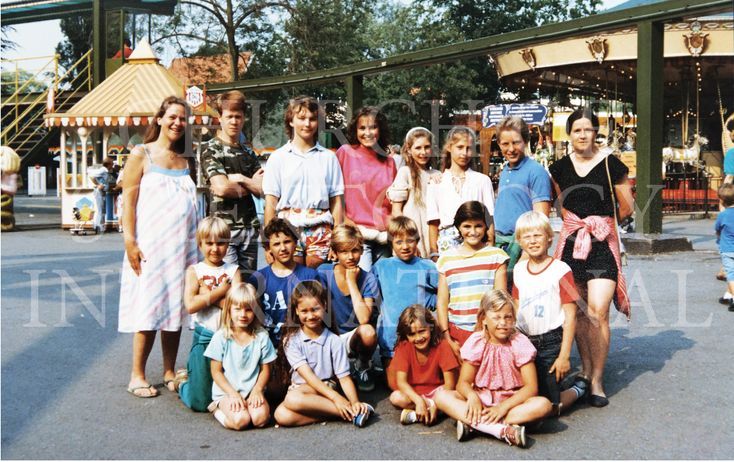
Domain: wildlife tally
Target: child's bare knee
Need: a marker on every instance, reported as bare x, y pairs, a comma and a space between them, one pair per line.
398, 399
294, 400
282, 415
260, 416
240, 420
367, 335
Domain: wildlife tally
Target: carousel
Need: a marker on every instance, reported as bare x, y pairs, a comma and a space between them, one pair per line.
598, 70
117, 112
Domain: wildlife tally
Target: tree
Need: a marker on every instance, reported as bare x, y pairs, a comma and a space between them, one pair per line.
77, 30
220, 21
480, 19
31, 82
418, 96
327, 33
6, 44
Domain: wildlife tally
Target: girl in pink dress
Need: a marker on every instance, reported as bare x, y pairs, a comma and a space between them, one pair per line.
497, 388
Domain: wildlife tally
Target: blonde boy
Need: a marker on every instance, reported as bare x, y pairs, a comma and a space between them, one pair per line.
205, 287
352, 295
546, 295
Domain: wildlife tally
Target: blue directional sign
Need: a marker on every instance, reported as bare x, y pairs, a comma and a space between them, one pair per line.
534, 114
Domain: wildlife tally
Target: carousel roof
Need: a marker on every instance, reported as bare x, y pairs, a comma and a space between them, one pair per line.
130, 96
604, 65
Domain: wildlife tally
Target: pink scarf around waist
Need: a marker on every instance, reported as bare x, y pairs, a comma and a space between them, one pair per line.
603, 229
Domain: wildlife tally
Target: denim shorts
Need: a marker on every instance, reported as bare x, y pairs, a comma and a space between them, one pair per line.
549, 347
727, 260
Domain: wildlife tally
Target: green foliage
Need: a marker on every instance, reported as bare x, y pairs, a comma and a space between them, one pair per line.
77, 40
5, 43
425, 96
8, 82
480, 19
327, 33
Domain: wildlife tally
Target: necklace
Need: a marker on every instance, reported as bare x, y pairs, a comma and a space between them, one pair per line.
458, 182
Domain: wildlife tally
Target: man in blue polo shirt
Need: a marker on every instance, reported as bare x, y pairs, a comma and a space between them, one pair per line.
524, 185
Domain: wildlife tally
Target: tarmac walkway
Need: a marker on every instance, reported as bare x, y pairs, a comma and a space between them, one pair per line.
65, 368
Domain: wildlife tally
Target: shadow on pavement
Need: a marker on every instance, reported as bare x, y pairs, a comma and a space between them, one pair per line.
631, 357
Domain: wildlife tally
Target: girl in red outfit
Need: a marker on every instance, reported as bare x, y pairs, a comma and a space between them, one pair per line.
368, 172
423, 365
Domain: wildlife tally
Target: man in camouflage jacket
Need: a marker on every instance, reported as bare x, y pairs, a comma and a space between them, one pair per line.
234, 173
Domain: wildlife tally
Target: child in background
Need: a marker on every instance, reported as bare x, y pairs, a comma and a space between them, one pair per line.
240, 353
276, 282
459, 183
205, 287
368, 171
546, 295
409, 191
423, 365
351, 296
404, 280
497, 387
316, 356
724, 227
303, 183
465, 273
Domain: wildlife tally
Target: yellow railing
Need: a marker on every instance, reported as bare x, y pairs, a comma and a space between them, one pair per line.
14, 131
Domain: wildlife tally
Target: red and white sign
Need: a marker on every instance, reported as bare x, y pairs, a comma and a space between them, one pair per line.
195, 96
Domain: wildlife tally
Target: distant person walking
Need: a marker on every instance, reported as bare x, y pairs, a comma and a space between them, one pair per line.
160, 242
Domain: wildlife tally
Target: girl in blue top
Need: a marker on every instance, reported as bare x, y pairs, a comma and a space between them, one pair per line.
240, 353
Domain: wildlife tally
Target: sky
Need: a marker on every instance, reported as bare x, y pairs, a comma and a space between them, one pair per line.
29, 44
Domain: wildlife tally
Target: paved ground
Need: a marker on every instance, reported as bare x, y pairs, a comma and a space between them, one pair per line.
64, 370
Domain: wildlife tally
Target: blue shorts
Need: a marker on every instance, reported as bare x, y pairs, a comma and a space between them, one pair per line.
727, 260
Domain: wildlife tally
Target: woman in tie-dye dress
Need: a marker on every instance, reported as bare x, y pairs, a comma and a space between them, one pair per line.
159, 225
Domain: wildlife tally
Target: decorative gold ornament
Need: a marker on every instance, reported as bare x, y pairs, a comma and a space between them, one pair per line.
695, 41
598, 48
528, 57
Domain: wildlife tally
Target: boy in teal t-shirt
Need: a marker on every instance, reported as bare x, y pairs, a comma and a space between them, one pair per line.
404, 279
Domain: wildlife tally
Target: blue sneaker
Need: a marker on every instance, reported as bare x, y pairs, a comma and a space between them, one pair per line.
361, 419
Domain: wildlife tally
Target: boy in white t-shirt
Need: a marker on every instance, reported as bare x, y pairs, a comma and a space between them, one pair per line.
205, 287
545, 293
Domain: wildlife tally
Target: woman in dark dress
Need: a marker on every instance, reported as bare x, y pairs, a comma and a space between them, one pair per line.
588, 242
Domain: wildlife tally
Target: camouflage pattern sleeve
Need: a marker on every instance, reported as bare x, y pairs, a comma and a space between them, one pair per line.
253, 163
211, 160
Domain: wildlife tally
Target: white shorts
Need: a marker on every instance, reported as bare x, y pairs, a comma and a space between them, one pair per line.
346, 339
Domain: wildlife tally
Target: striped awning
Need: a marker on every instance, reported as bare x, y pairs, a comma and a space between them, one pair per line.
130, 96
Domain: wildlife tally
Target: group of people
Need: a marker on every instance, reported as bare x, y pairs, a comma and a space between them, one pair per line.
454, 291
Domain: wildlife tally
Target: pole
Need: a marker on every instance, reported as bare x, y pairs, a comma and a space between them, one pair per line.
99, 43
649, 126
355, 93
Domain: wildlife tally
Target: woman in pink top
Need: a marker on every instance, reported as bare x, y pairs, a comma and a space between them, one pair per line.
368, 172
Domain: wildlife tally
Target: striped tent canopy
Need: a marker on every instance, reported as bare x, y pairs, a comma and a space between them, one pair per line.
130, 96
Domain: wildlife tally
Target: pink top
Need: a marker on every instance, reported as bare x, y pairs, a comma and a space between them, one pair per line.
367, 176
499, 364
602, 229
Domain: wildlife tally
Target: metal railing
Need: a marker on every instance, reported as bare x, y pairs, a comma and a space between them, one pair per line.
690, 192
25, 118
